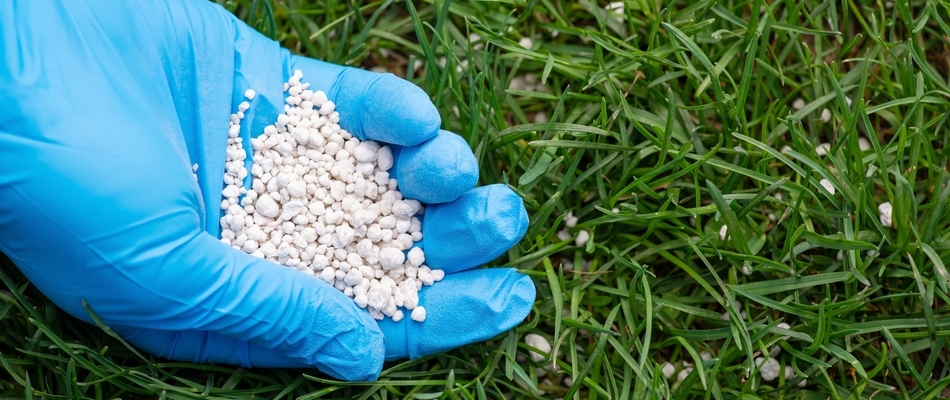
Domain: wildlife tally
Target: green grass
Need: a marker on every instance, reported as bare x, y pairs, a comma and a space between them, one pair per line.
665, 123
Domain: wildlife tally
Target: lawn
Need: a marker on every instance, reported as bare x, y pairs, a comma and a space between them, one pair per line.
727, 162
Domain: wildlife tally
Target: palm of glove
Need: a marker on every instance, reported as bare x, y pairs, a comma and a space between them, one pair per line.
98, 200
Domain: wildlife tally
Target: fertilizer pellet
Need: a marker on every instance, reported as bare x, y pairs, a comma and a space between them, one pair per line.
540, 343
526, 43
668, 370
683, 373
768, 369
775, 350
616, 6
570, 220
782, 325
790, 374
418, 314
798, 104
582, 237
887, 214
323, 202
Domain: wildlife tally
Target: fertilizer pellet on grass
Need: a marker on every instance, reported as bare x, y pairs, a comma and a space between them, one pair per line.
768, 369
798, 104
668, 369
540, 343
322, 202
582, 237
684, 373
887, 214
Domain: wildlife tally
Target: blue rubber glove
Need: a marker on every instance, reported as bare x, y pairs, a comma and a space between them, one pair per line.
105, 108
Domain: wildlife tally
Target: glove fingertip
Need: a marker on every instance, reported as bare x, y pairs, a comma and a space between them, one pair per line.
515, 296
507, 206
474, 229
384, 107
437, 171
521, 297
463, 308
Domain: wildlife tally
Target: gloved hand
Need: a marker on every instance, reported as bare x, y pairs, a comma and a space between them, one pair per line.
106, 107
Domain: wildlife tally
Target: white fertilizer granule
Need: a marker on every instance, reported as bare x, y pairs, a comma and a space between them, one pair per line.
668, 370
887, 214
768, 369
683, 373
582, 237
745, 269
775, 350
570, 220
798, 104
322, 202
540, 343
526, 43
864, 144
790, 374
